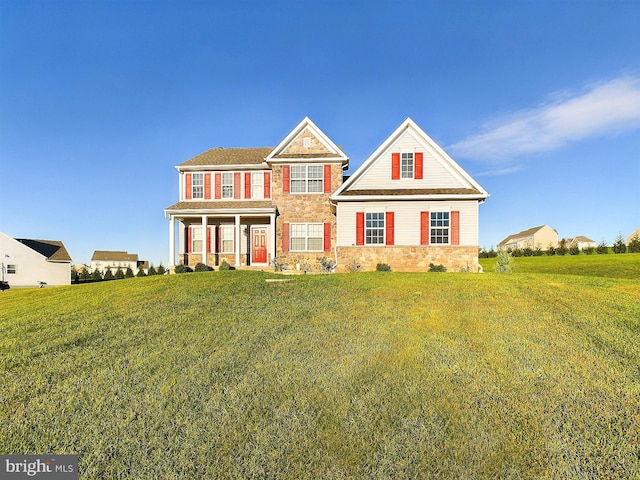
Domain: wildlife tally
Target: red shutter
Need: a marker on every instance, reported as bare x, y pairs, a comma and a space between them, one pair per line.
327, 179
207, 186
424, 228
219, 239
455, 228
236, 185
327, 236
267, 185
285, 237
389, 228
218, 186
359, 228
286, 178
419, 165
247, 185
188, 249
187, 193
208, 241
395, 166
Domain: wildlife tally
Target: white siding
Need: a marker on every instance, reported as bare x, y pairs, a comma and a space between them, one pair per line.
435, 173
407, 219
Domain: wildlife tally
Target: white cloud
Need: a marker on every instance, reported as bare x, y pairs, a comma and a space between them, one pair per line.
603, 109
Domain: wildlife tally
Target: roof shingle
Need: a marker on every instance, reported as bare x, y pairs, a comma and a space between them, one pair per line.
229, 156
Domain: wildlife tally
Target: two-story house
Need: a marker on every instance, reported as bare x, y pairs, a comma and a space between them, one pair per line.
408, 205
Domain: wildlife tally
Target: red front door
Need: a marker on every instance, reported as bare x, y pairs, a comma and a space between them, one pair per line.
259, 251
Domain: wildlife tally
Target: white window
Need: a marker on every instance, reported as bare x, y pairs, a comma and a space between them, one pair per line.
227, 185
307, 178
257, 185
227, 241
196, 239
439, 231
307, 237
197, 188
306, 141
374, 229
11, 269
406, 165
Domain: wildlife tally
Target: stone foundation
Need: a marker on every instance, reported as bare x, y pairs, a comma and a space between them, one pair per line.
410, 259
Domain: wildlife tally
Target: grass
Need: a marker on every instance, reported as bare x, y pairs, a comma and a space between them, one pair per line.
372, 375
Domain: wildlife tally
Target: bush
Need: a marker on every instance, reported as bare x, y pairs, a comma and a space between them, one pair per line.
619, 245
383, 267
326, 265
589, 250
96, 275
161, 270
152, 271
634, 244
516, 252
353, 266
602, 247
505, 262
128, 273
276, 263
108, 275
437, 268
119, 274
84, 274
551, 250
141, 273
224, 265
182, 268
201, 267
574, 250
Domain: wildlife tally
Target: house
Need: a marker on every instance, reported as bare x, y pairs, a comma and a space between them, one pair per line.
632, 235
580, 241
106, 259
408, 205
536, 237
31, 263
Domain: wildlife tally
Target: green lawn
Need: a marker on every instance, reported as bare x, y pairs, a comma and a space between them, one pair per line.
370, 375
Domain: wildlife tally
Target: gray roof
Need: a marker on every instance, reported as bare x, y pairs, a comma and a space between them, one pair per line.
229, 156
54, 250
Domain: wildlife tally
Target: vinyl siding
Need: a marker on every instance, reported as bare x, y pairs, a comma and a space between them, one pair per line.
407, 219
435, 174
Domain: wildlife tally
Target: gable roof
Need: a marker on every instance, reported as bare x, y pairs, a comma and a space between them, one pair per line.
307, 143
523, 234
111, 256
228, 156
468, 188
53, 250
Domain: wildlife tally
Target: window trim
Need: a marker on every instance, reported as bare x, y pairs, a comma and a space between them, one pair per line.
223, 229
432, 227
196, 230
307, 178
11, 269
257, 188
410, 159
229, 184
367, 229
307, 237
197, 186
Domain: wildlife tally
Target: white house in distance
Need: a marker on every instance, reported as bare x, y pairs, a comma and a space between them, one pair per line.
536, 237
31, 263
106, 259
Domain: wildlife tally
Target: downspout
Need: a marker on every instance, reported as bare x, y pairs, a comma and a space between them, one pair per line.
335, 247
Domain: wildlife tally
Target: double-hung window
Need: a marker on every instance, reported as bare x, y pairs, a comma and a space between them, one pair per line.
227, 184
374, 228
307, 237
257, 185
307, 178
197, 188
11, 269
439, 230
196, 239
227, 241
406, 165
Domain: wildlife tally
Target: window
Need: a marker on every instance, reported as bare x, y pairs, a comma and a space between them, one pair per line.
439, 228
198, 185
306, 142
196, 239
11, 269
227, 185
257, 185
307, 178
374, 229
307, 237
406, 165
227, 242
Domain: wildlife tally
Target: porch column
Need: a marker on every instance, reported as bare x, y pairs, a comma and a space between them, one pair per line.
238, 240
272, 237
205, 220
172, 241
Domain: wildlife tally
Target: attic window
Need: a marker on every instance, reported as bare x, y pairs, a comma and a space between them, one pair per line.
306, 142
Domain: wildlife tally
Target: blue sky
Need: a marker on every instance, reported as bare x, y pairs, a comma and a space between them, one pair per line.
539, 101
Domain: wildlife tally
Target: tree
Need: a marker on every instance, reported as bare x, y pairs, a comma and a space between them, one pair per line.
84, 274
574, 249
634, 244
152, 271
96, 275
128, 273
562, 248
602, 247
108, 275
141, 273
160, 270
619, 246
119, 274
505, 262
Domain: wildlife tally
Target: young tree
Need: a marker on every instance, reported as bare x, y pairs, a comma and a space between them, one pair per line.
108, 275
96, 275
128, 273
574, 249
505, 262
602, 247
84, 274
119, 274
141, 273
152, 271
619, 245
160, 270
634, 244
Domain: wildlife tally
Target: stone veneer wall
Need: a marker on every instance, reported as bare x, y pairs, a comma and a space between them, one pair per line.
410, 259
303, 208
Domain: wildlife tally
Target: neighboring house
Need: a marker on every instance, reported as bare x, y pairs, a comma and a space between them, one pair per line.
581, 241
633, 234
536, 237
105, 259
31, 263
408, 205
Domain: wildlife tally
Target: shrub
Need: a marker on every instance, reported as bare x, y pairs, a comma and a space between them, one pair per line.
141, 273
634, 244
383, 267
201, 267
589, 250
326, 265
277, 264
96, 275
84, 274
505, 262
437, 268
353, 266
119, 274
517, 252
182, 268
128, 273
152, 271
574, 249
224, 265
551, 250
161, 270
602, 247
108, 275
619, 245
562, 248
528, 252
